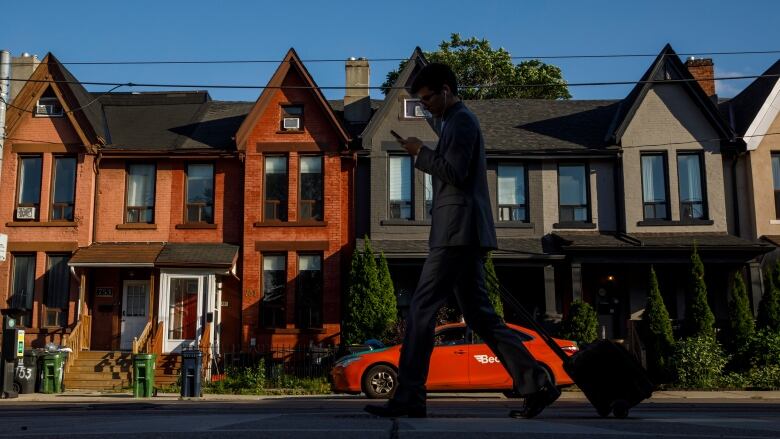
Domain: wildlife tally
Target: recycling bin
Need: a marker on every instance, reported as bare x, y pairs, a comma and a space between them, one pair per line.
191, 364
52, 372
143, 375
26, 372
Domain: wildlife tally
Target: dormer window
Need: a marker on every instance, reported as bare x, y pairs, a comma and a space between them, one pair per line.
292, 117
48, 105
413, 109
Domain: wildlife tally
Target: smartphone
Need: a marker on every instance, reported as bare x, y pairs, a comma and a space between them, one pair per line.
398, 137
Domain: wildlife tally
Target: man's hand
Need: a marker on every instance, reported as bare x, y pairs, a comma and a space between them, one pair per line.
412, 145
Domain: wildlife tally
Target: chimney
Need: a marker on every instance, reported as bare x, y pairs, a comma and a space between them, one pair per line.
703, 70
357, 100
22, 67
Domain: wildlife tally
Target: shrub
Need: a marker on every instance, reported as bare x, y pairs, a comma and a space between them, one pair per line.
699, 318
581, 323
741, 325
491, 282
764, 377
764, 349
769, 307
698, 362
656, 330
369, 309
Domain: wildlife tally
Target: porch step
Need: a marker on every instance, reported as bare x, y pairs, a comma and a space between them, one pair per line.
112, 370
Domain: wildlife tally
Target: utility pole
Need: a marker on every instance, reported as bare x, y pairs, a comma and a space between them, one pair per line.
5, 75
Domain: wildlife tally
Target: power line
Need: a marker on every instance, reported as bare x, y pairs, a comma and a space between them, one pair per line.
341, 87
341, 60
69, 111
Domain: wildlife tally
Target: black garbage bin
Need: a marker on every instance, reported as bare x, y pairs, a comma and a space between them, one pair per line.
26, 372
191, 364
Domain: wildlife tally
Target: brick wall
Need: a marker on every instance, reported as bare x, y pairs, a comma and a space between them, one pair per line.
336, 230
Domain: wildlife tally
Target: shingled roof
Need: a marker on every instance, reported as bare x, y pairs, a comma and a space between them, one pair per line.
170, 121
544, 125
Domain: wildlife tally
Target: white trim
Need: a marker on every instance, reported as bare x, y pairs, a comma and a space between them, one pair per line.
764, 118
206, 303
774, 222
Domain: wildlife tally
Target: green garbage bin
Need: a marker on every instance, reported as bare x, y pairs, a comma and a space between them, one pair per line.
143, 375
52, 372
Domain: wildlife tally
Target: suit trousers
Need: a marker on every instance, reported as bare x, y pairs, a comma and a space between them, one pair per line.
459, 271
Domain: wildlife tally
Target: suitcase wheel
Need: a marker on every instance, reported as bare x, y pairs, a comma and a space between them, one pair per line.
620, 409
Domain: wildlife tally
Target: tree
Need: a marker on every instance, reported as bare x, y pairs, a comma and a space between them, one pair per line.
741, 324
387, 294
479, 68
581, 323
368, 310
769, 307
699, 318
491, 281
656, 330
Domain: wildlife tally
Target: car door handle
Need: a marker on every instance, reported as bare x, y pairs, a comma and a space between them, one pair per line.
460, 352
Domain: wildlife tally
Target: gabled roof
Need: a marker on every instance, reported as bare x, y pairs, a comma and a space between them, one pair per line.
416, 62
753, 110
666, 67
291, 61
79, 106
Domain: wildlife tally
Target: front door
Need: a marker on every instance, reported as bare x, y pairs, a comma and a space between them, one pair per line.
184, 302
135, 311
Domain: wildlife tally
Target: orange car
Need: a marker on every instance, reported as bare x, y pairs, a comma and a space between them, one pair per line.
460, 362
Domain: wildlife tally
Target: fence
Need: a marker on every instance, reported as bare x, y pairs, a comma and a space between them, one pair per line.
278, 361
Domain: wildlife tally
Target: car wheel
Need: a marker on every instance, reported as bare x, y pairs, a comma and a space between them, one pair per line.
380, 382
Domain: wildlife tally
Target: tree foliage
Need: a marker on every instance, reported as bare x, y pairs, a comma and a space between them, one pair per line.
699, 318
741, 324
581, 323
481, 70
370, 308
769, 307
491, 280
656, 329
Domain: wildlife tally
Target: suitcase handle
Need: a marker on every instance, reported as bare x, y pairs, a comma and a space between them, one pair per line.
504, 293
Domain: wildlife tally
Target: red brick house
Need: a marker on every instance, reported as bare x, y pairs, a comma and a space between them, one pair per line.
46, 204
298, 222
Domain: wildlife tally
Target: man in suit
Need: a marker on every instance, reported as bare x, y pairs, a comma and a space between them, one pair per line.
462, 232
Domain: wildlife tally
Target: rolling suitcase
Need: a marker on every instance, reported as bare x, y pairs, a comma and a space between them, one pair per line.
609, 376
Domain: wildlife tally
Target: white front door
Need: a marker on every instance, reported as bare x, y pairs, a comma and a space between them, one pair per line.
135, 311
187, 300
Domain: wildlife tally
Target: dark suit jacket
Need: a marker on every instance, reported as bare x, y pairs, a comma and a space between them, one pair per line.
462, 215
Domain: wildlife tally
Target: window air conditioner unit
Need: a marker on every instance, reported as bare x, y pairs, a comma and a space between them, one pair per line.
419, 111
48, 110
25, 213
291, 123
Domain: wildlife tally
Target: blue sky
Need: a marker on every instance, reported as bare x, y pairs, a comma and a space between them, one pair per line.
229, 29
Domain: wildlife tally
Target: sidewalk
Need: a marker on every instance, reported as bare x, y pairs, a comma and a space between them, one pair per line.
76, 396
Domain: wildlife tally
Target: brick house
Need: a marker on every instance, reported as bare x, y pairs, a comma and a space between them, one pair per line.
298, 230
53, 133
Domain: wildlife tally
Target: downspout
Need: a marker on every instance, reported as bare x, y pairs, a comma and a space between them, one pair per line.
735, 200
618, 192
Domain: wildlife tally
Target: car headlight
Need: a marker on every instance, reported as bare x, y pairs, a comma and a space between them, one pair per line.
344, 362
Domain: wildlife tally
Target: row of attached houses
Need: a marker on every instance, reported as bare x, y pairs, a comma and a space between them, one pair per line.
160, 221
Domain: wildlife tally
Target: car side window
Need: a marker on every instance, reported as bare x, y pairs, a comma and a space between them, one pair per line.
476, 339
450, 337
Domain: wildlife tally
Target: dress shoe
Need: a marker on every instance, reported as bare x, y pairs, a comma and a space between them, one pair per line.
536, 402
396, 410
